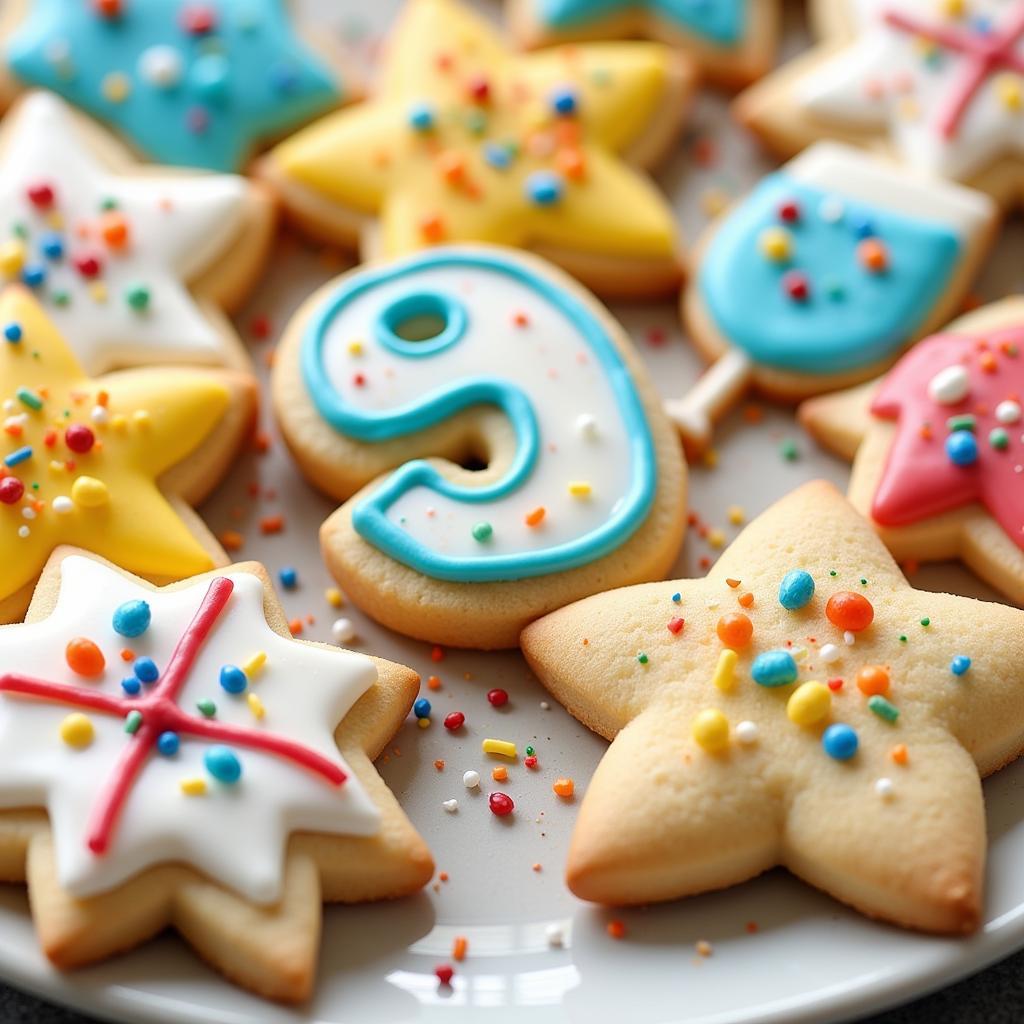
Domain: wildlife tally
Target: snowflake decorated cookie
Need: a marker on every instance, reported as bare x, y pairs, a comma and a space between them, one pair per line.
822, 275
173, 758
194, 83
938, 446
498, 444
731, 41
940, 84
802, 706
106, 463
132, 266
464, 140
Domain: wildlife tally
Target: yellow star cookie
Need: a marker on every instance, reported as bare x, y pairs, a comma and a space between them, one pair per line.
467, 141
107, 463
802, 706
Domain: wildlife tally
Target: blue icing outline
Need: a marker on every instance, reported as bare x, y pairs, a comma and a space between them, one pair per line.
256, 36
720, 21
370, 516
877, 314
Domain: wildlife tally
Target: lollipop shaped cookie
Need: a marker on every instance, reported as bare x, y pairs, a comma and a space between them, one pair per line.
498, 445
938, 446
822, 275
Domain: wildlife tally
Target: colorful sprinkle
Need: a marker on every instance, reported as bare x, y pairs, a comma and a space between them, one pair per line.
796, 590
735, 630
960, 664
710, 729
145, 670
872, 680
503, 748
840, 741
421, 709
850, 612
233, 679
724, 678
84, 658
497, 698
883, 708
223, 764
132, 618
774, 668
77, 730
501, 804
564, 788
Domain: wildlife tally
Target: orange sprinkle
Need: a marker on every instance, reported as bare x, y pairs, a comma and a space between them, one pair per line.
442, 876
899, 753
459, 946
271, 524
735, 630
746, 600
295, 625
733, 583
987, 362
520, 319
616, 929
873, 254
114, 229
753, 413
499, 773
102, 398
84, 658
536, 516
433, 683
231, 540
752, 928
127, 654
872, 680
537, 866
439, 765
261, 439
564, 787
432, 227
571, 163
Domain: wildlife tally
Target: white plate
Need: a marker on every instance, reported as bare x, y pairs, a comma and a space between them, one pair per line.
809, 960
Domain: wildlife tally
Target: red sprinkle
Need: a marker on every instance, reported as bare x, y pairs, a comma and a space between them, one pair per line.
198, 19
11, 490
531, 761
454, 721
835, 684
437, 654
497, 698
675, 626
87, 264
444, 973
789, 211
79, 438
796, 285
500, 804
40, 194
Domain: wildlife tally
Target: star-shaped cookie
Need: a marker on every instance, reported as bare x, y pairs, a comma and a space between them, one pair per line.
106, 463
940, 84
938, 446
133, 266
801, 706
732, 41
195, 83
199, 769
466, 141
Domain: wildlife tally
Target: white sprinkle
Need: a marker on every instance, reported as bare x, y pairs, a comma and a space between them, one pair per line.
1008, 412
831, 209
747, 733
586, 426
545, 706
884, 788
28, 512
100, 414
343, 631
23, 532
849, 638
9, 405
451, 806
160, 66
471, 779
62, 505
712, 603
16, 421
555, 934
950, 385
829, 654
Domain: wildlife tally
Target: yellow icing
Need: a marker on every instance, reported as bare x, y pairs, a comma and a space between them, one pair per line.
369, 158
116, 508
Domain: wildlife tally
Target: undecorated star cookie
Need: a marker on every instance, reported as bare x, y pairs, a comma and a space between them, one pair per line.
463, 140
731, 41
108, 463
134, 265
938, 446
940, 84
173, 758
802, 706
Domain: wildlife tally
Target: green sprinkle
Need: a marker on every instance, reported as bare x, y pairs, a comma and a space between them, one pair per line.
137, 296
132, 721
964, 422
19, 230
999, 439
835, 289
29, 398
883, 708
530, 751
903, 638
926, 621
863, 582
482, 531
108, 203
206, 707
832, 572
61, 297
476, 122
641, 656
789, 451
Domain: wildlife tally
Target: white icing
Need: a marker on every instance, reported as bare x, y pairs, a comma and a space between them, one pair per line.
889, 187
881, 82
179, 224
235, 834
1008, 412
949, 385
548, 359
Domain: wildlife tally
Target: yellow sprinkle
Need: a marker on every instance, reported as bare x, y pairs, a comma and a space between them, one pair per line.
502, 747
255, 706
193, 787
119, 421
98, 291
89, 492
579, 489
1008, 88
57, 467
12, 258
253, 666
423, 723
55, 220
716, 538
334, 596
736, 515
775, 243
355, 348
116, 87
704, 948
724, 677
711, 730
141, 418
809, 703
77, 730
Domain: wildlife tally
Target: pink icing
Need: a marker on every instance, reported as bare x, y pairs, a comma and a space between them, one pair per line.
920, 480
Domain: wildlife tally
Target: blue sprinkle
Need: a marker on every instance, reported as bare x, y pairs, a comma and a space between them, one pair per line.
52, 246
283, 77
421, 117
233, 679
131, 685
564, 101
223, 764
499, 157
796, 590
421, 709
774, 668
13, 332
544, 188
18, 455
289, 577
132, 618
840, 741
33, 274
167, 743
146, 670
962, 448
960, 664
863, 228
677, 597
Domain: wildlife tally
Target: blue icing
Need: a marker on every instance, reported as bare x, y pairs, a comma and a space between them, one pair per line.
720, 21
370, 516
194, 98
852, 317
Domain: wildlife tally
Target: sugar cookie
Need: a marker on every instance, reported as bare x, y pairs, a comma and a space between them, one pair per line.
192, 84
465, 141
841, 734
553, 472
133, 265
938, 446
937, 84
822, 275
731, 41
106, 463
199, 769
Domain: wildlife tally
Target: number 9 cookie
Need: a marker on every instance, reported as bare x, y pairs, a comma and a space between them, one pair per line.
497, 442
